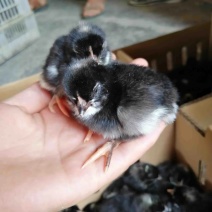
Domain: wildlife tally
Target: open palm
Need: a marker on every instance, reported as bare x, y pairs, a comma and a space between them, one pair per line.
41, 155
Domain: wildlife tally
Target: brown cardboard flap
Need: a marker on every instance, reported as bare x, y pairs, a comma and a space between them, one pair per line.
208, 134
163, 149
199, 113
190, 145
157, 51
8, 90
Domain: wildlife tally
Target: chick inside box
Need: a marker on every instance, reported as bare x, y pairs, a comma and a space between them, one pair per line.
189, 139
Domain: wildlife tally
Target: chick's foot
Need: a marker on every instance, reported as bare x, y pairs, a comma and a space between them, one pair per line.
105, 150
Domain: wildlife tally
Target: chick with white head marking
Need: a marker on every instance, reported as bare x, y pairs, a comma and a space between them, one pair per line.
119, 101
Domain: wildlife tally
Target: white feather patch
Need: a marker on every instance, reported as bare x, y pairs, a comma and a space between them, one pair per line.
90, 112
135, 122
84, 28
171, 116
77, 64
190, 196
45, 85
152, 121
52, 71
146, 199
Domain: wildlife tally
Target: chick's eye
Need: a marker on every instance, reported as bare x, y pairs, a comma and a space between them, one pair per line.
97, 87
91, 103
94, 89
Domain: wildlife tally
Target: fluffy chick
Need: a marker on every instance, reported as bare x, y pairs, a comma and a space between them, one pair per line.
192, 200
83, 41
119, 101
179, 174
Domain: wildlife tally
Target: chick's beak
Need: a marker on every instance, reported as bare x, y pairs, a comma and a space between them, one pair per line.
82, 108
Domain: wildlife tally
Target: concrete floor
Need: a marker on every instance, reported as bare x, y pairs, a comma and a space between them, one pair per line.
123, 24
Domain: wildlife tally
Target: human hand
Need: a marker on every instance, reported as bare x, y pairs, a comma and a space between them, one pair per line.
42, 154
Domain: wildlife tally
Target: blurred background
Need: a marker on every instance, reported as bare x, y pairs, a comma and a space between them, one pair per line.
28, 29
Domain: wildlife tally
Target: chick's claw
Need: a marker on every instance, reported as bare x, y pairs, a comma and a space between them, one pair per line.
62, 107
56, 100
88, 136
52, 103
105, 150
114, 144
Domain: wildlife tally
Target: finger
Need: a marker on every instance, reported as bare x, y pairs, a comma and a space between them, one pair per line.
140, 62
113, 56
32, 100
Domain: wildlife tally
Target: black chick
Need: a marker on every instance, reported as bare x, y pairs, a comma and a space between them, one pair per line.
135, 179
129, 202
171, 207
83, 41
140, 175
192, 200
116, 187
120, 202
179, 174
195, 85
119, 101
147, 202
86, 38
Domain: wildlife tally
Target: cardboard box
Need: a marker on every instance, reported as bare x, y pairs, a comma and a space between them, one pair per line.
189, 139
10, 89
193, 141
172, 50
